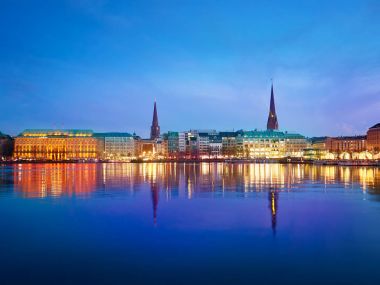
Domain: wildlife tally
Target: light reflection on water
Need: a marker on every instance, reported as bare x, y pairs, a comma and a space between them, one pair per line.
252, 214
55, 180
185, 180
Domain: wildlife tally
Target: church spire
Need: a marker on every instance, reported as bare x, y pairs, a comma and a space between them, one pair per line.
155, 128
272, 123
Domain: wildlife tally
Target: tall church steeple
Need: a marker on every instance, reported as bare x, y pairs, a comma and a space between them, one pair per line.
155, 128
272, 123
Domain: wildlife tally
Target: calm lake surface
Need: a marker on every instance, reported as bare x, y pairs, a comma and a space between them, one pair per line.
216, 223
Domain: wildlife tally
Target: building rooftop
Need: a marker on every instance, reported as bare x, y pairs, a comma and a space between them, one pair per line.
56, 133
318, 139
271, 134
375, 126
350, 138
228, 134
113, 134
215, 139
4, 135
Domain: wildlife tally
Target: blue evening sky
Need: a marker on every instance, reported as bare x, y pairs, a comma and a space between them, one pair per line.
100, 65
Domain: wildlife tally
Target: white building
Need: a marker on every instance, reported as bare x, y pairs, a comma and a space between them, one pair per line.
118, 146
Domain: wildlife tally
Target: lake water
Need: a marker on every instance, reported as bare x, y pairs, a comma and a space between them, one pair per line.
189, 224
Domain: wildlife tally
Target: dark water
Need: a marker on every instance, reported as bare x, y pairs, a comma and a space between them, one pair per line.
189, 224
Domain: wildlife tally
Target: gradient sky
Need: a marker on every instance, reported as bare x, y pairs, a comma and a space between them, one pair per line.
101, 64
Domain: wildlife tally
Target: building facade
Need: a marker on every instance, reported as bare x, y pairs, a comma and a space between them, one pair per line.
173, 144
295, 145
373, 138
58, 145
229, 144
118, 146
272, 144
347, 144
215, 146
210, 144
6, 146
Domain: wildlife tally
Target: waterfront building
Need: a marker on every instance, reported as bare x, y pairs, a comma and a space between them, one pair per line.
295, 144
191, 145
272, 123
6, 146
173, 144
162, 147
209, 144
146, 148
271, 144
155, 128
229, 144
182, 143
319, 143
118, 146
373, 138
206, 142
347, 144
58, 145
203, 144
317, 149
215, 146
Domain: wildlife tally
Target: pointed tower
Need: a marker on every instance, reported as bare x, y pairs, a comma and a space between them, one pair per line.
155, 128
272, 123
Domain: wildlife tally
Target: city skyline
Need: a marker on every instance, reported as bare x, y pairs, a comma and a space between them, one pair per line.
99, 65
189, 141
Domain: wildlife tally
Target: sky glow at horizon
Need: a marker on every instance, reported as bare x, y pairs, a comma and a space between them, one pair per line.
100, 64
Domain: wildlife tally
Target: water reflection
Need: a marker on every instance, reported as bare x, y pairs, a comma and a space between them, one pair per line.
55, 180
187, 181
43, 180
273, 206
155, 193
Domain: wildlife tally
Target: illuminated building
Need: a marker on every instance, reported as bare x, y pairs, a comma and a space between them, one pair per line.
272, 144
155, 147
203, 143
146, 148
209, 143
229, 144
58, 145
173, 144
188, 144
176, 144
155, 128
162, 147
295, 144
152, 149
346, 144
319, 143
119, 146
272, 123
241, 144
317, 149
215, 146
182, 142
192, 145
373, 138
6, 146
